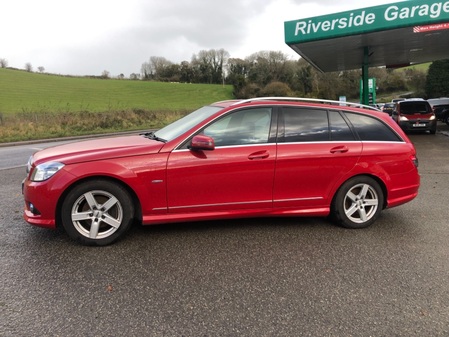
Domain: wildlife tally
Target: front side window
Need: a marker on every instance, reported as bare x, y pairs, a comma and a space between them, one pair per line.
305, 125
371, 129
250, 126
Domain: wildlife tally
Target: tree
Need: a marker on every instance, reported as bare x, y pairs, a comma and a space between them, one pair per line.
3, 63
395, 81
156, 69
437, 84
146, 71
209, 65
416, 80
277, 89
105, 74
306, 78
28, 67
268, 66
185, 72
237, 74
41, 69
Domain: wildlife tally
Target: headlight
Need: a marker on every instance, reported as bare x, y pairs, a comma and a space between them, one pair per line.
403, 118
45, 171
432, 118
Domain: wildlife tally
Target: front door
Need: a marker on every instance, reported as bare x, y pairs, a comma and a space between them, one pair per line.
237, 174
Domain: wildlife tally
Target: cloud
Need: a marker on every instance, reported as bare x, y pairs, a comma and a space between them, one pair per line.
85, 37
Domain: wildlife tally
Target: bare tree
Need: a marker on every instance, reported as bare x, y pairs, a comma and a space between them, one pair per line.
28, 67
105, 74
146, 71
3, 63
41, 69
156, 68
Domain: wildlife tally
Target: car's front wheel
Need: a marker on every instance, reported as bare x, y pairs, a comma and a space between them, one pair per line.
97, 212
358, 202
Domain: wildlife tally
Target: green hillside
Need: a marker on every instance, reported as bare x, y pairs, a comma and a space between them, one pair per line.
22, 91
42, 106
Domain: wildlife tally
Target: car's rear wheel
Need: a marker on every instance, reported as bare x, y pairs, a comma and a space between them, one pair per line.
446, 118
358, 202
97, 212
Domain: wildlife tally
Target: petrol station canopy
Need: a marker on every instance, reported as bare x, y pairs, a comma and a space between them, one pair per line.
393, 35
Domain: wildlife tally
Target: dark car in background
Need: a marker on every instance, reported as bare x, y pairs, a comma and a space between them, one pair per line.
415, 115
388, 108
440, 107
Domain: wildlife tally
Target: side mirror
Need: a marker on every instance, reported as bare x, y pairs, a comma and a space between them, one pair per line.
202, 142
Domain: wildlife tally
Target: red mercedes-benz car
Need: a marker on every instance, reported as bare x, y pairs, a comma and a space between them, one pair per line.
250, 158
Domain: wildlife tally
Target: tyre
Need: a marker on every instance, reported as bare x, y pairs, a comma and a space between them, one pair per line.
446, 118
97, 212
358, 203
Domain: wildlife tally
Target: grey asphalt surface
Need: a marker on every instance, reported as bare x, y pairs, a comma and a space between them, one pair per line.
257, 277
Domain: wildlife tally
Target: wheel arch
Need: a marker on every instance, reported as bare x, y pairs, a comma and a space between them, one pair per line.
132, 194
376, 178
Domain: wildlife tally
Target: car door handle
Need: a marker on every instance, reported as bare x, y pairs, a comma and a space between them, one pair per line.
259, 155
339, 149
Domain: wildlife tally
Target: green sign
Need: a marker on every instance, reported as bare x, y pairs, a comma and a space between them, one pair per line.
371, 91
366, 20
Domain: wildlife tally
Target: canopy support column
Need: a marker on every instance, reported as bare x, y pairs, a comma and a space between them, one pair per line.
365, 76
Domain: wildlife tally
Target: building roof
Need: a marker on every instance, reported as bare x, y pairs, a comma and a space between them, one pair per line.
392, 35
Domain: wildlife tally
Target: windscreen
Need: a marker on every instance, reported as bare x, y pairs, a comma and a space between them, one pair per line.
182, 125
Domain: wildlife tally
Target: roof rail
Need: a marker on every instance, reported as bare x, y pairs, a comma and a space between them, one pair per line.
313, 100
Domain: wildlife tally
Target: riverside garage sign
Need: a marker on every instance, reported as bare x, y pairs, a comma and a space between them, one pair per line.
366, 20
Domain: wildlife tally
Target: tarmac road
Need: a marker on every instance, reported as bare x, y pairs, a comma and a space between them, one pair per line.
258, 277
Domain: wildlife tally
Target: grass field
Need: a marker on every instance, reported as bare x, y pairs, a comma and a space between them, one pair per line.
21, 91
36, 106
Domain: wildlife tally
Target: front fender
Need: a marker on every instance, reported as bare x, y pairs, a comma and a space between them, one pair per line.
146, 177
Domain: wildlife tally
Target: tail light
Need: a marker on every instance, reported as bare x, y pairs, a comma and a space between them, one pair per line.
415, 161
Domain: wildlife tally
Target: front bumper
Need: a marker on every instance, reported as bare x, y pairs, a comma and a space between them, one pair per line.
41, 199
418, 125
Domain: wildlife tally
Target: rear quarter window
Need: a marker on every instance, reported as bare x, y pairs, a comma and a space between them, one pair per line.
371, 129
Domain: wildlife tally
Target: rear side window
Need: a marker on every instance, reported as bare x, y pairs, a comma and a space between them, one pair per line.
371, 129
305, 125
339, 128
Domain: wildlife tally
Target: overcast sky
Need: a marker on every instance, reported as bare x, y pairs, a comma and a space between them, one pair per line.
86, 37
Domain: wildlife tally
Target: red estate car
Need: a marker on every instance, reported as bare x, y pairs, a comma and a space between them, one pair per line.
251, 158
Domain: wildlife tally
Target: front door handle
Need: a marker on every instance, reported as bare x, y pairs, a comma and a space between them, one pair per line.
259, 155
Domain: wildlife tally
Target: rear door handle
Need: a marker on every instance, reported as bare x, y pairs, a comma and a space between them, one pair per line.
259, 155
339, 149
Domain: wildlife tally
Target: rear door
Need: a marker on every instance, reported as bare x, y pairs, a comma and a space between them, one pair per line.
314, 150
